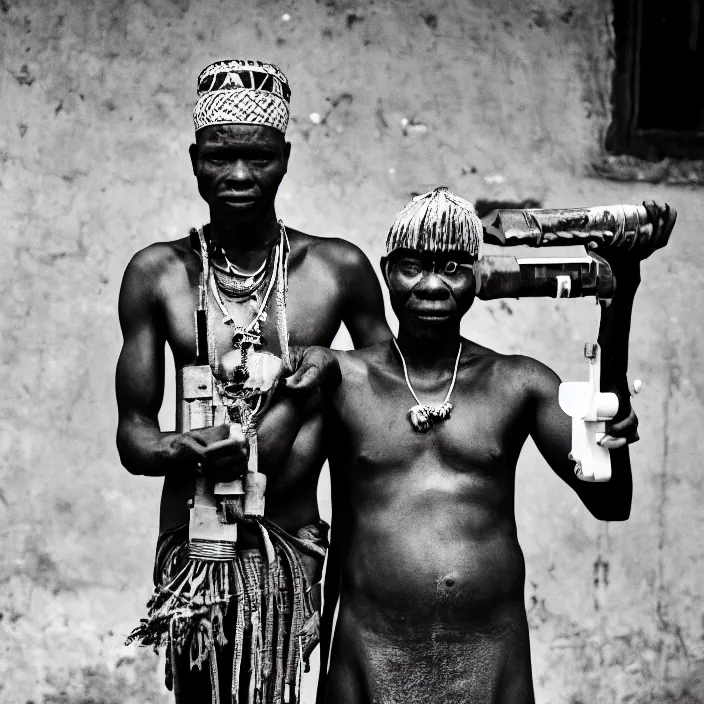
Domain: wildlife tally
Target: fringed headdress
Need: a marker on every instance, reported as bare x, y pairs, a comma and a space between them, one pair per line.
242, 92
437, 221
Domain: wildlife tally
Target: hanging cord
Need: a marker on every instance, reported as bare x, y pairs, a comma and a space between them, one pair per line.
408, 381
282, 297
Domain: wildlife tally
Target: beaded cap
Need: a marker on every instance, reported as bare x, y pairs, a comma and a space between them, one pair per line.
240, 91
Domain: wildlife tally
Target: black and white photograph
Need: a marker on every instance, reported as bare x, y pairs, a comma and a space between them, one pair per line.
351, 352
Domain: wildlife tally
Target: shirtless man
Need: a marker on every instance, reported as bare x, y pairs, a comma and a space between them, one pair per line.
239, 158
431, 588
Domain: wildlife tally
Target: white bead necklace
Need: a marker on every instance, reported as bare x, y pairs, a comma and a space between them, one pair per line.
423, 416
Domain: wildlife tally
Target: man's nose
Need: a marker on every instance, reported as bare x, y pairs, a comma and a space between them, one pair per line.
239, 172
431, 286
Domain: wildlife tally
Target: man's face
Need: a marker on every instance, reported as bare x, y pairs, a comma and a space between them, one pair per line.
239, 169
429, 292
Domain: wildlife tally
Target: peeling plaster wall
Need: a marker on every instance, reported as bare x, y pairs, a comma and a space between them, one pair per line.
504, 99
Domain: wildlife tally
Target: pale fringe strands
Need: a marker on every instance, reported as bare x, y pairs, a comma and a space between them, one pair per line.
187, 615
437, 221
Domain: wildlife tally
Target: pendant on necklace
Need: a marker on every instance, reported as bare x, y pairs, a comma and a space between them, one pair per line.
423, 417
245, 337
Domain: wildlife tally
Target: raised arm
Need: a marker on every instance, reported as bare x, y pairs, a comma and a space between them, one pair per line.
363, 307
551, 428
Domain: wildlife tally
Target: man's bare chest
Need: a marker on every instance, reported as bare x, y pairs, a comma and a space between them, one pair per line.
483, 433
313, 309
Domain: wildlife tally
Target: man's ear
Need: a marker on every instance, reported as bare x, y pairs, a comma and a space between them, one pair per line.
287, 153
384, 264
193, 152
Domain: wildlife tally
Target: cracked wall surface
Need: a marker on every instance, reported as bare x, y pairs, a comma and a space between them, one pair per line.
497, 100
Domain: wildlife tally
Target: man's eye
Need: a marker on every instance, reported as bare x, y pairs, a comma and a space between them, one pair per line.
410, 268
451, 268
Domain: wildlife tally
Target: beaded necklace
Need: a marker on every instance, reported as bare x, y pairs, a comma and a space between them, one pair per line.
247, 337
236, 283
423, 416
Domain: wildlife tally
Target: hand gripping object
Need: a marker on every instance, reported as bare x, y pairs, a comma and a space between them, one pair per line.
589, 408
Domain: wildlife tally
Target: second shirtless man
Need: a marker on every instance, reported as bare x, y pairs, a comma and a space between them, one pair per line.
424, 434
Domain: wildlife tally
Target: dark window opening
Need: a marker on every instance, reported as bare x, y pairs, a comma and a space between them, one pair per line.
658, 89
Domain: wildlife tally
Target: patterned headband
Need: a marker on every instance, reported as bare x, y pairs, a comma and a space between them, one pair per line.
245, 92
437, 221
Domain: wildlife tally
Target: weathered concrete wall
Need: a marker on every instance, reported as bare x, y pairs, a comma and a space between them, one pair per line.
504, 99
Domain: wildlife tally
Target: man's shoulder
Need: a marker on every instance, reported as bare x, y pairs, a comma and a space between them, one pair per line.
356, 365
518, 368
334, 251
158, 258
160, 254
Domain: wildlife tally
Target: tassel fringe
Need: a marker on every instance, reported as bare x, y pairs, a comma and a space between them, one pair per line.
270, 598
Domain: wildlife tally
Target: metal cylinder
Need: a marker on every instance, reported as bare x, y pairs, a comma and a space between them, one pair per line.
504, 276
619, 226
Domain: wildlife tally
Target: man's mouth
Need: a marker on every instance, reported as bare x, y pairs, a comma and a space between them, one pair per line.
239, 201
431, 314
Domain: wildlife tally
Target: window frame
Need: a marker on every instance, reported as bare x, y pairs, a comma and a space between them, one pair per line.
623, 136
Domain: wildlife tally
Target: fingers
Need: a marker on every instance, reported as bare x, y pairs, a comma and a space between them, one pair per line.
612, 443
232, 449
662, 216
226, 460
210, 450
306, 378
210, 435
318, 368
623, 432
653, 210
623, 427
190, 450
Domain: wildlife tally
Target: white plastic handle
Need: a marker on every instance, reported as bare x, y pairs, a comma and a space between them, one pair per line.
589, 408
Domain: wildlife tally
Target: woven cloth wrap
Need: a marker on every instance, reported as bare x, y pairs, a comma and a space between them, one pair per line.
242, 92
437, 221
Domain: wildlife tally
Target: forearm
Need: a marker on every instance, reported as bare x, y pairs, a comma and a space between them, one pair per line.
606, 501
610, 501
141, 446
551, 429
279, 428
614, 332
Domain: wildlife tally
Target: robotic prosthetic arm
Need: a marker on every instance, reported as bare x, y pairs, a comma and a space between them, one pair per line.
624, 229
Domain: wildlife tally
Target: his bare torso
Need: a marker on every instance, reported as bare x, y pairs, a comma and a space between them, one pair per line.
431, 605
314, 314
